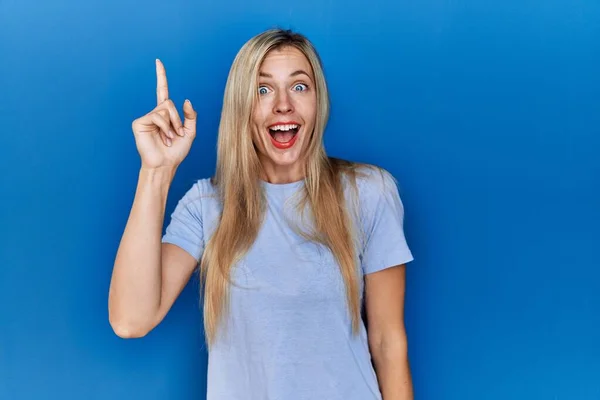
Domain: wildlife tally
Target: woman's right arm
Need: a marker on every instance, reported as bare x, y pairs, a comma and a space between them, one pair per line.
148, 275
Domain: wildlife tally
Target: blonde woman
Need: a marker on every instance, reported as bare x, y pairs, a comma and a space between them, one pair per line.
300, 254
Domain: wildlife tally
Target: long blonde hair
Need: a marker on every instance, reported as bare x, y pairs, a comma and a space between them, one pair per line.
237, 179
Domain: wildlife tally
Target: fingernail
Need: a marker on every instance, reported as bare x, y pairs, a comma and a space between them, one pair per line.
169, 142
171, 135
181, 131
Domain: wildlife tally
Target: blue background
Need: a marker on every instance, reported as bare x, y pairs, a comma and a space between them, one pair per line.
486, 112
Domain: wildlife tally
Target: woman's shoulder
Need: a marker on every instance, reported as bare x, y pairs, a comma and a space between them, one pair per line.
200, 191
369, 179
205, 187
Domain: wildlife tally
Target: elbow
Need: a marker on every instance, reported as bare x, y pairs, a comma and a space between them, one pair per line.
127, 330
127, 324
393, 345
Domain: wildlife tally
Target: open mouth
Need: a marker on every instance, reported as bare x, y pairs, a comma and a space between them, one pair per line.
283, 136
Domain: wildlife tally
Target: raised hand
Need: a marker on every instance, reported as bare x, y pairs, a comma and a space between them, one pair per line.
161, 138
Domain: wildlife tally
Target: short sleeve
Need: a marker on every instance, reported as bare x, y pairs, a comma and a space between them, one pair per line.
185, 228
383, 218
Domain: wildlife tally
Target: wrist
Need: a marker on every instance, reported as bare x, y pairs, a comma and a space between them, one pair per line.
157, 176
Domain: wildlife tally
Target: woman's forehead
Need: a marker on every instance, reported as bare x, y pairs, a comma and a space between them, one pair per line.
283, 61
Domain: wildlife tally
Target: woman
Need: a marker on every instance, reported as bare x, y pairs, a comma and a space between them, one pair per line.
294, 247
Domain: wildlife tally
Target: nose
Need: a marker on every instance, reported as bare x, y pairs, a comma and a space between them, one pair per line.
283, 105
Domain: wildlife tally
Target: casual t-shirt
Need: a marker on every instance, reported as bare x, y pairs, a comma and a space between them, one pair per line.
288, 334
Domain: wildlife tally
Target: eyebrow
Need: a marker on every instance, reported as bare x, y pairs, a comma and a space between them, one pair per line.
295, 73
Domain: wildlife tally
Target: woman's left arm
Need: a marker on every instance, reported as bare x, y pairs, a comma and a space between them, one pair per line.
384, 302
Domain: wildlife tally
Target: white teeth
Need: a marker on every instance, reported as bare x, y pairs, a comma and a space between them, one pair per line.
284, 127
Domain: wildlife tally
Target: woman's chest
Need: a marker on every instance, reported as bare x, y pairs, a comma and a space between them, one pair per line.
282, 263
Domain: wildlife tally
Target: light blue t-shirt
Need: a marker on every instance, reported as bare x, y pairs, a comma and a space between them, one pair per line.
289, 334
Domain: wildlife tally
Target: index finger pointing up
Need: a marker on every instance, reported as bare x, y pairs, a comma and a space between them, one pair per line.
162, 89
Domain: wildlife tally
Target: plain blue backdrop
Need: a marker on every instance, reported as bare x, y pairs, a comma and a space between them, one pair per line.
487, 113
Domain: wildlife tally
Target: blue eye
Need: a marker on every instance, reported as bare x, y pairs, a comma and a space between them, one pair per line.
262, 90
302, 87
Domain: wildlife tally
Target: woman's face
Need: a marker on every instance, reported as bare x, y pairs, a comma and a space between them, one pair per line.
284, 116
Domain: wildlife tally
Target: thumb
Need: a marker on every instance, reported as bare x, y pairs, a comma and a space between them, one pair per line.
189, 123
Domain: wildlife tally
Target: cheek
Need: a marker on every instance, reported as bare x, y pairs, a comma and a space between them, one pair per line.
258, 126
260, 114
256, 115
309, 109
258, 138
